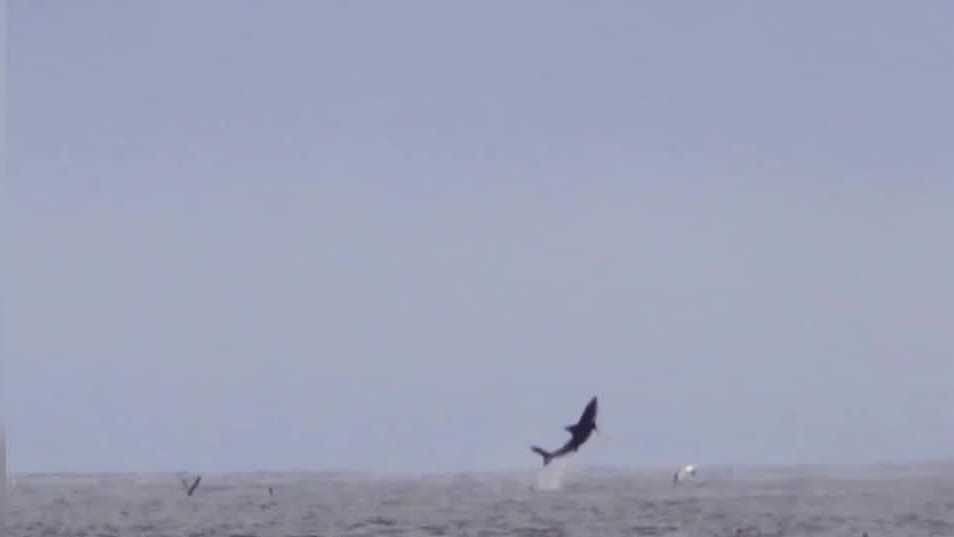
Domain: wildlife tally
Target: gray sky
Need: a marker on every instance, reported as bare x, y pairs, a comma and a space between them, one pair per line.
420, 235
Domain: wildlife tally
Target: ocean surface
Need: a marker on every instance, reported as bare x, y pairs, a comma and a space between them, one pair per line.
567, 501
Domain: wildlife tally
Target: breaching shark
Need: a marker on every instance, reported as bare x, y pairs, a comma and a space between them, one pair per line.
580, 433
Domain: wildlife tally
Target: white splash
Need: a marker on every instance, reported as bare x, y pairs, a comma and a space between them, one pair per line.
684, 473
551, 476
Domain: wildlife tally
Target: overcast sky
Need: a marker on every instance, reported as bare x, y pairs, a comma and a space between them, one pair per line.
418, 236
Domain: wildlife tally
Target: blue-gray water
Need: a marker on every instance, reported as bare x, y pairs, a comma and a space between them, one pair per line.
879, 501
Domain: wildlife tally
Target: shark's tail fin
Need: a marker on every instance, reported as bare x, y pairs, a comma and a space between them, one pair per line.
547, 456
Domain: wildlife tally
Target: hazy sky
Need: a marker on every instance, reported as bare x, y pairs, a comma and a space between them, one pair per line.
420, 235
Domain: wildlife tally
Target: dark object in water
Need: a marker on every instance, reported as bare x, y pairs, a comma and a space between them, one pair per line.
190, 489
580, 433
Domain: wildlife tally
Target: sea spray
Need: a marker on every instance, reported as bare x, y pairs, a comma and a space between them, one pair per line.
551, 476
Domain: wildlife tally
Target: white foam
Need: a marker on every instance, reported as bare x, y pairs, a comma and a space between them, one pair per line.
551, 475
684, 473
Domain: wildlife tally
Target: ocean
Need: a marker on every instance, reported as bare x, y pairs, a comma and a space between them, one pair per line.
877, 501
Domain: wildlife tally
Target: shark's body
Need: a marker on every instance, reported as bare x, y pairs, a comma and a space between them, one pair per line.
580, 433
